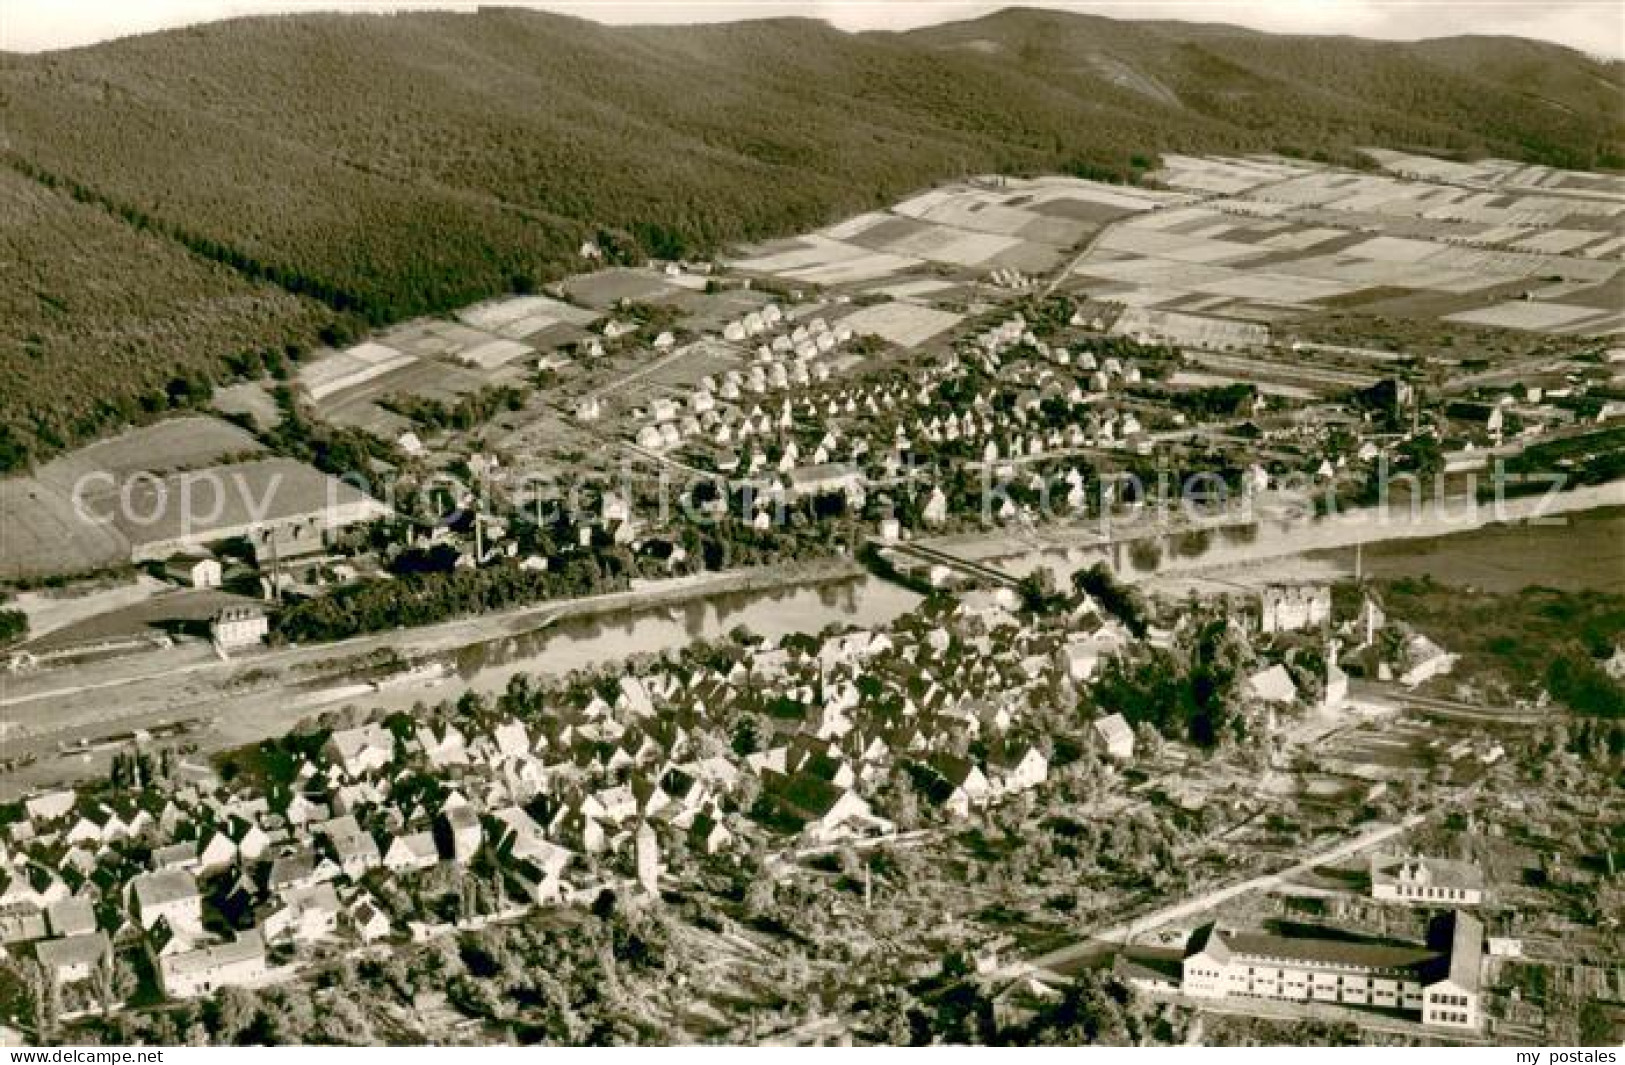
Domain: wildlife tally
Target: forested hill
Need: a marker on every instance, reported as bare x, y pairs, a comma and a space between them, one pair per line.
176, 206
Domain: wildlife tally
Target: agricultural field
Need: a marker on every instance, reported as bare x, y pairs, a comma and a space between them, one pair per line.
907, 325
1267, 242
969, 228
427, 359
42, 531
520, 317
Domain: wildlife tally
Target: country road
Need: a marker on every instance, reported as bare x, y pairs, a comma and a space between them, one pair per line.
1121, 933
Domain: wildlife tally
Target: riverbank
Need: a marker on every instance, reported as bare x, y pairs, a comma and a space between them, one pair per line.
267, 692
1138, 548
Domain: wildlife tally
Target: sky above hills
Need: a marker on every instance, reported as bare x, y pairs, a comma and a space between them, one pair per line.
1594, 26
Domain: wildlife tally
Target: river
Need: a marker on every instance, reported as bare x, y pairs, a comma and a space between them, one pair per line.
1586, 549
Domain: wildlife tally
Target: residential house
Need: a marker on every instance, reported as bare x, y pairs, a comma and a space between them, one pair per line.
412, 851
240, 963
171, 896
1117, 736
303, 915
362, 750
74, 958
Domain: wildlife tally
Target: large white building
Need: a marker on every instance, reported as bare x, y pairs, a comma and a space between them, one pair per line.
1439, 981
1291, 607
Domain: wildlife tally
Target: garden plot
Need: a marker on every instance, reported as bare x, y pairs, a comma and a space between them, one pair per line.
1047, 193
956, 247
1529, 315
494, 354
1314, 190
866, 267
1275, 288
344, 370
971, 209
855, 226
1157, 273
1425, 167
1173, 218
904, 324
430, 338
1393, 250
1508, 264
1370, 273
1301, 239
1162, 244
518, 317
915, 289
1139, 295
358, 407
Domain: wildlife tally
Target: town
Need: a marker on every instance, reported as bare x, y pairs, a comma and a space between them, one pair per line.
991, 619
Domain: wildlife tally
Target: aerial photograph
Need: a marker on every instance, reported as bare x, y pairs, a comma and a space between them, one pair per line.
821, 523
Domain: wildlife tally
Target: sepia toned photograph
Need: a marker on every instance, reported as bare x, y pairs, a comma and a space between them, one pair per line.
814, 523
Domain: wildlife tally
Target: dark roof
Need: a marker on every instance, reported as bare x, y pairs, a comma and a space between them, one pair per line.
952, 768
1330, 953
806, 797
87, 949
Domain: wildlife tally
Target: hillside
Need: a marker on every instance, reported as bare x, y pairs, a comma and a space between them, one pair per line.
334, 172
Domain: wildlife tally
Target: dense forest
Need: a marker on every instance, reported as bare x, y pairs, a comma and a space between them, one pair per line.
194, 204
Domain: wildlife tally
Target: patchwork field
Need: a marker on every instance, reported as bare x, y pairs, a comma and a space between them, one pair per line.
1273, 239
975, 227
518, 317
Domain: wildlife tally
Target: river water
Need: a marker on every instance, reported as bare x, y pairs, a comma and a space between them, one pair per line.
1585, 550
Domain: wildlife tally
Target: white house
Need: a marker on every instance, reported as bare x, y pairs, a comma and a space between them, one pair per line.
1117, 736
1428, 881
415, 850
361, 750
170, 895
194, 570
237, 627
239, 963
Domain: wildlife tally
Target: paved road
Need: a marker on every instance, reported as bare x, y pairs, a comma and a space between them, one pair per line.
1121, 933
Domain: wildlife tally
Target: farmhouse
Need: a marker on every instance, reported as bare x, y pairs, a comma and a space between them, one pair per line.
171, 896
194, 570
